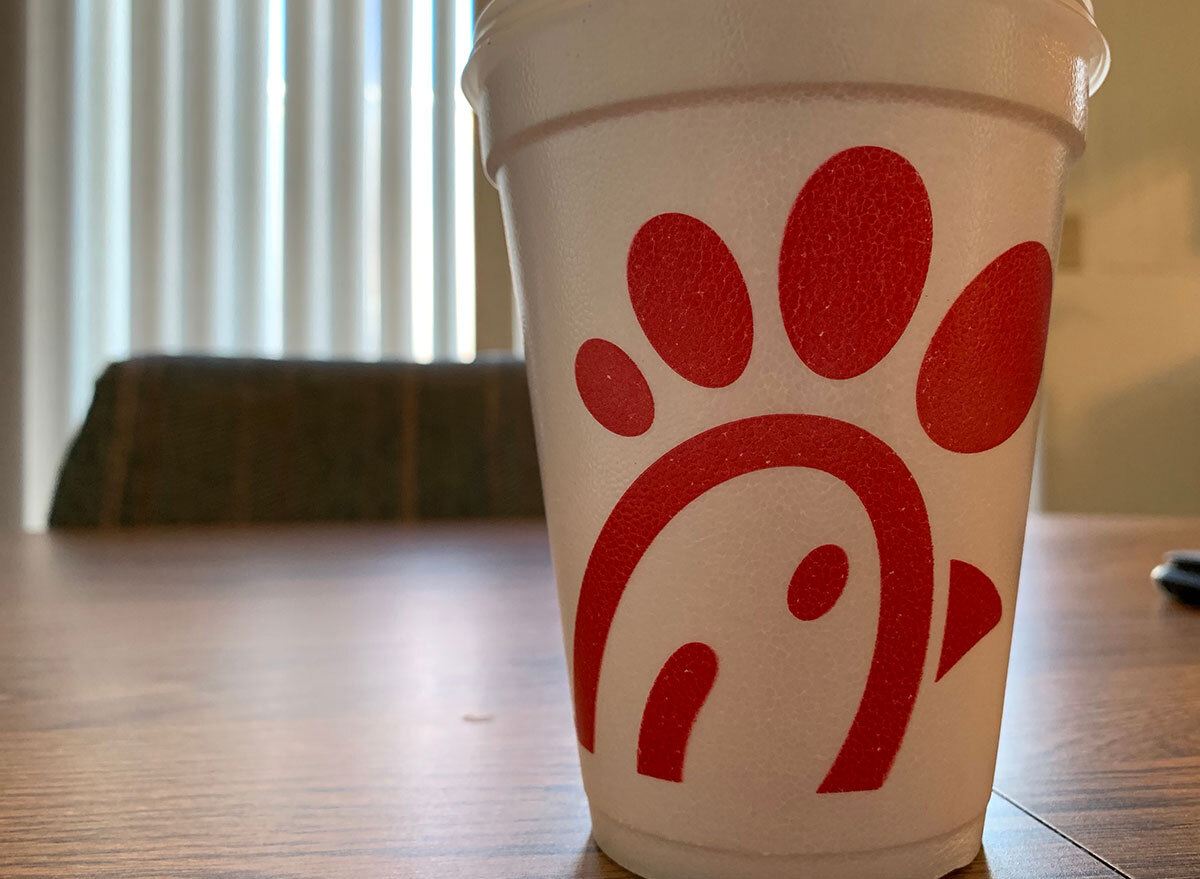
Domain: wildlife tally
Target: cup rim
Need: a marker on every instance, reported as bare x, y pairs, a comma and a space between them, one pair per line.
500, 16
493, 10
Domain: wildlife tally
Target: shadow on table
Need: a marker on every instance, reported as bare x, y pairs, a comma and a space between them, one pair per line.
594, 864
977, 869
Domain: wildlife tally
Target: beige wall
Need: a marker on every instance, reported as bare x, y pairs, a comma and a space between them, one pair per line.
494, 308
1122, 417
1122, 427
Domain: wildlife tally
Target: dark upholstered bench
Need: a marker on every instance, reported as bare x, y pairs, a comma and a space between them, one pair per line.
206, 440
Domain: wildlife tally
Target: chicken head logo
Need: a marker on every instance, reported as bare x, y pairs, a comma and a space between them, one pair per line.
852, 268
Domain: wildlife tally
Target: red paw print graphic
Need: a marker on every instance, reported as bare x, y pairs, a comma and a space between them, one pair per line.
852, 268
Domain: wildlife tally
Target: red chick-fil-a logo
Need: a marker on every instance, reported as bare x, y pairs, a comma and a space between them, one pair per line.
852, 268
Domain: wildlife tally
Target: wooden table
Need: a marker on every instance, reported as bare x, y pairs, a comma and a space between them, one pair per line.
381, 702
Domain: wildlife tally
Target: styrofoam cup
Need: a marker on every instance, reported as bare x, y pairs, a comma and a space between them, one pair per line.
784, 272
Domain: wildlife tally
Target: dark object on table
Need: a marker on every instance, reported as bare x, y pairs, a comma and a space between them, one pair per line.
1179, 574
187, 440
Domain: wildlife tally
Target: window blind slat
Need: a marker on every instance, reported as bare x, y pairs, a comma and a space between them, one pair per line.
155, 188
252, 41
199, 217
111, 124
87, 297
306, 151
395, 235
346, 23
465, 161
445, 312
49, 140
207, 161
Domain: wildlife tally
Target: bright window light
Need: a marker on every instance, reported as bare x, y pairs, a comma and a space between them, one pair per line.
464, 188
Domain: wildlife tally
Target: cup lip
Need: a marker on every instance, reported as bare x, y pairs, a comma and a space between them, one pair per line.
494, 11
1101, 63
503, 17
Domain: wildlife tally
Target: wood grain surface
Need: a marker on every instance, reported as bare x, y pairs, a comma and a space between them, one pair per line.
387, 702
1102, 717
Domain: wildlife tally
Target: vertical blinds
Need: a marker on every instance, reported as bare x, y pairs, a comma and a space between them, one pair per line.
258, 177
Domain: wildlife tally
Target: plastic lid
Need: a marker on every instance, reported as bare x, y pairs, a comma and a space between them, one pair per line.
1100, 64
540, 64
495, 7
503, 13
